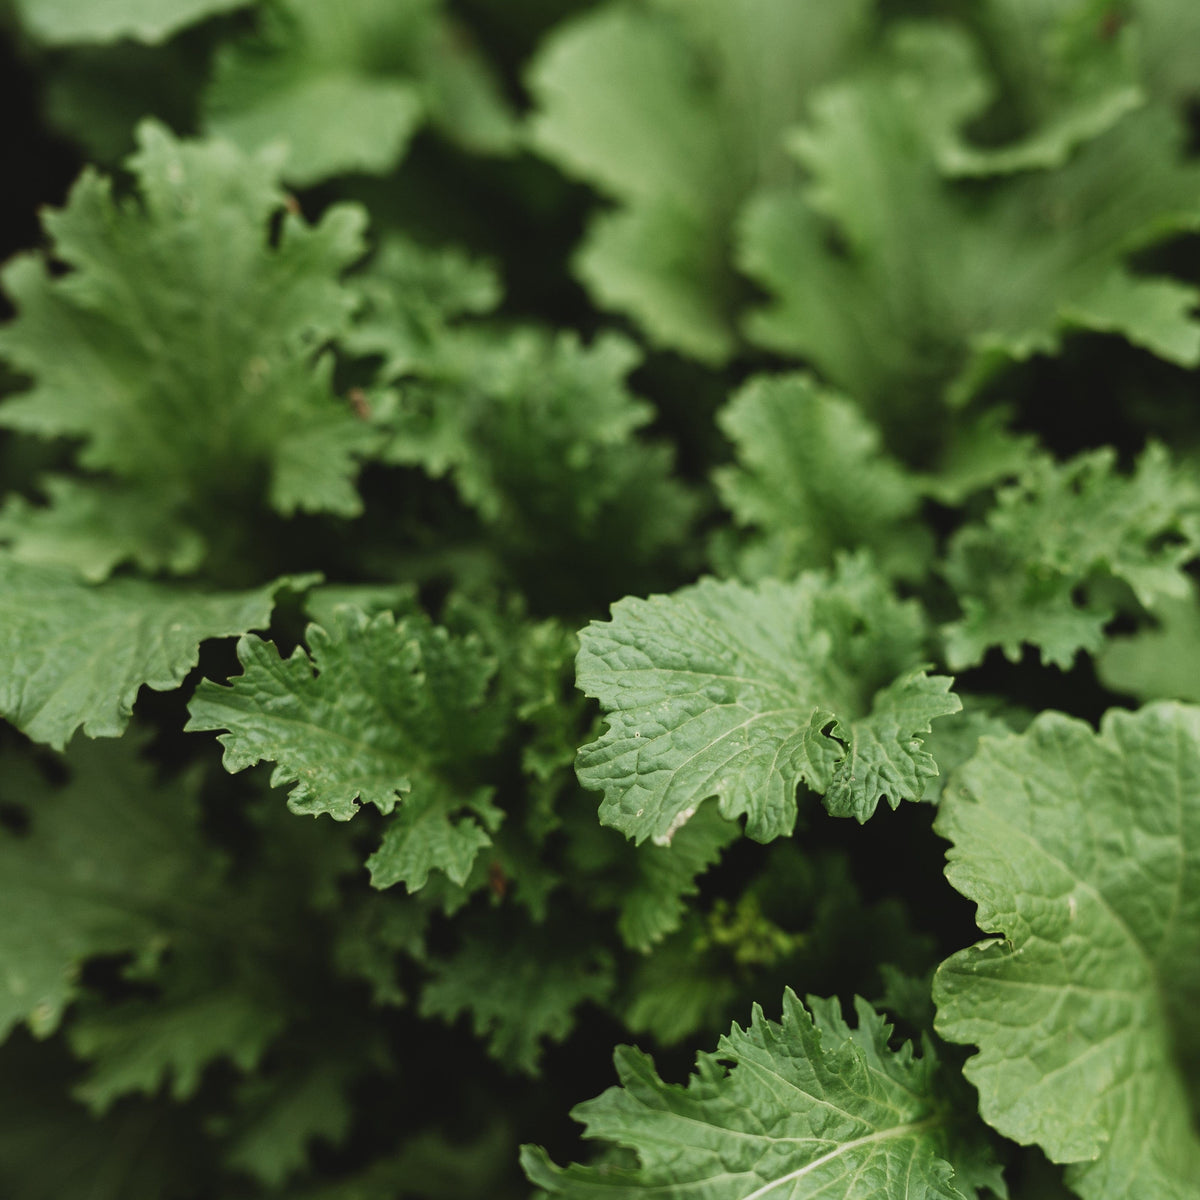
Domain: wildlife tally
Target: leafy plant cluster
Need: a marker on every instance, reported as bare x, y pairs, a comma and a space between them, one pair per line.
707, 498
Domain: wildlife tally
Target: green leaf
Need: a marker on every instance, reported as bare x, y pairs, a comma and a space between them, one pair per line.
806, 1107
138, 1148
1061, 529
344, 88
184, 345
385, 711
743, 693
412, 295
675, 111
901, 285
1082, 852
1065, 78
57, 21
539, 435
649, 886
1158, 663
95, 528
174, 1036
953, 742
278, 1117
105, 868
796, 446
77, 655
520, 986
1169, 33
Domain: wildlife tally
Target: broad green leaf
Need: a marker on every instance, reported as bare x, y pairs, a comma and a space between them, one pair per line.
807, 1107
58, 21
344, 87
798, 447
900, 284
1082, 853
743, 693
675, 111
385, 712
1059, 530
520, 985
184, 345
78, 654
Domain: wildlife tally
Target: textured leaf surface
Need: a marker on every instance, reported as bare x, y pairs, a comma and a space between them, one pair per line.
77, 654
742, 693
1062, 528
808, 1107
812, 479
183, 346
107, 20
384, 711
898, 283
1082, 852
343, 88
676, 111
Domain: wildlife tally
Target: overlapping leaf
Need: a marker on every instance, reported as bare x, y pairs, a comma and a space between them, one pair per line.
676, 111
343, 88
811, 479
648, 885
183, 348
521, 986
540, 437
385, 712
1158, 663
1082, 852
743, 693
1067, 71
58, 21
806, 1107
115, 865
76, 655
1022, 574
900, 283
